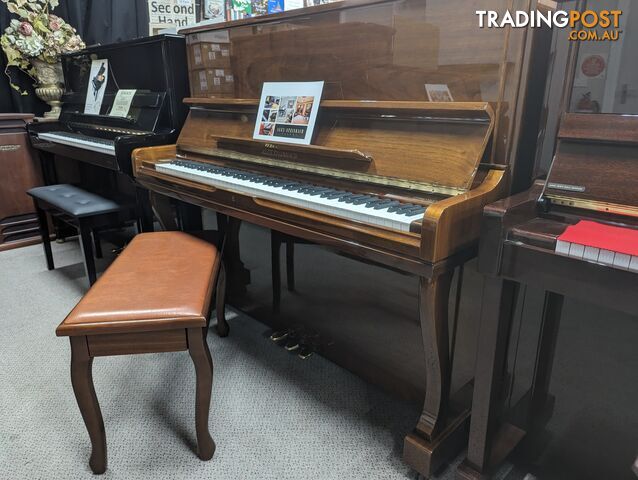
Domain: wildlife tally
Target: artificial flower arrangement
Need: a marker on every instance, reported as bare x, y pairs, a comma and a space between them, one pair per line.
38, 34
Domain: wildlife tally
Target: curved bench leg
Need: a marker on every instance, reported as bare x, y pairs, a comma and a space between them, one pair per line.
220, 303
82, 380
198, 350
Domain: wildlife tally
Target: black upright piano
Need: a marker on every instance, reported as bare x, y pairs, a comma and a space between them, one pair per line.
155, 67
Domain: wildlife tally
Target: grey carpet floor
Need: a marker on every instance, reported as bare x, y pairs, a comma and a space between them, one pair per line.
273, 416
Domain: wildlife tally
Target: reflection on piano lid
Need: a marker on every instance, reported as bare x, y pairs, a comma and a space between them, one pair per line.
154, 67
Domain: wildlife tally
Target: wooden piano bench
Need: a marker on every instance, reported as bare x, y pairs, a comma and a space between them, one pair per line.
155, 297
85, 211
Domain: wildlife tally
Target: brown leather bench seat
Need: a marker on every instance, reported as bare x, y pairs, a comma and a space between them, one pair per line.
155, 297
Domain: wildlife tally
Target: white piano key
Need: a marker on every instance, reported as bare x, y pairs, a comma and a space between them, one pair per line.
576, 250
562, 247
79, 143
606, 257
621, 260
633, 264
311, 202
591, 253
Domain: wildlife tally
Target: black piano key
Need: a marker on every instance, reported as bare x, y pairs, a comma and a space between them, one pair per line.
414, 211
404, 208
319, 191
363, 200
328, 192
378, 203
384, 206
355, 198
335, 195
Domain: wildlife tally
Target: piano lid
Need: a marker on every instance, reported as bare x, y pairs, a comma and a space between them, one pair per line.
596, 164
154, 66
423, 146
375, 50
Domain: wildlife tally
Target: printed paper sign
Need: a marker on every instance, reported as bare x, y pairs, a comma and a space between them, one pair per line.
98, 78
122, 103
287, 111
438, 92
164, 14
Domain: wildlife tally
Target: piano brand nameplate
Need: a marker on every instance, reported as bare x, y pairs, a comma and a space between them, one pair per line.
565, 187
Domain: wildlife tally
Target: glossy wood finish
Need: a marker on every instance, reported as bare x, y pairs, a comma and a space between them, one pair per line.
583, 147
20, 172
597, 153
436, 145
378, 134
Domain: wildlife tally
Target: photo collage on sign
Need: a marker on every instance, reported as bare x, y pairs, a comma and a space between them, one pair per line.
282, 111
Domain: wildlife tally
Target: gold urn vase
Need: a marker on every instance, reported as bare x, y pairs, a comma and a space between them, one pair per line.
50, 86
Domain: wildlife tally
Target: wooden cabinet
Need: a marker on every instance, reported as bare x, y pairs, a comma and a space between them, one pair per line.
19, 171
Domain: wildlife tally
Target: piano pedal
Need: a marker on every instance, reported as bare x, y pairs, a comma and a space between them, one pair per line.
117, 250
304, 351
278, 335
292, 344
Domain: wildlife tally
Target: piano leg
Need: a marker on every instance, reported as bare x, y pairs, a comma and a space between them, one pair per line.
491, 440
497, 310
145, 210
163, 210
441, 430
237, 275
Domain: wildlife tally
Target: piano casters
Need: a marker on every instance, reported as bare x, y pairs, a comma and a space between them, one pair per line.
492, 440
441, 430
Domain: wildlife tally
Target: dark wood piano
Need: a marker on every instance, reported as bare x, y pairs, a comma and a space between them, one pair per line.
592, 184
156, 68
391, 177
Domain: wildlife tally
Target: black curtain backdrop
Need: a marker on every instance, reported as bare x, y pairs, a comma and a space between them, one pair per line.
97, 21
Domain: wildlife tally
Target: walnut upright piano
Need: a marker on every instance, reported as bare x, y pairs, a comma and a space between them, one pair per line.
390, 177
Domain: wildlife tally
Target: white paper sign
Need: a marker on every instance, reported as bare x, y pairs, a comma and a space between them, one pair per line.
170, 14
122, 103
288, 111
98, 78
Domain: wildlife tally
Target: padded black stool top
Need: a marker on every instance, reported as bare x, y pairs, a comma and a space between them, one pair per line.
74, 200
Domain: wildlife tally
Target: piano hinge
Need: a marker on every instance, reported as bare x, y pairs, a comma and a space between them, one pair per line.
595, 205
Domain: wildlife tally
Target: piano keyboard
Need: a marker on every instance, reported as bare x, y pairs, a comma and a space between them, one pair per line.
612, 246
78, 140
368, 209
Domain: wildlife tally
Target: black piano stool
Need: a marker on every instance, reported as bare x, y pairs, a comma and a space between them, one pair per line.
85, 211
